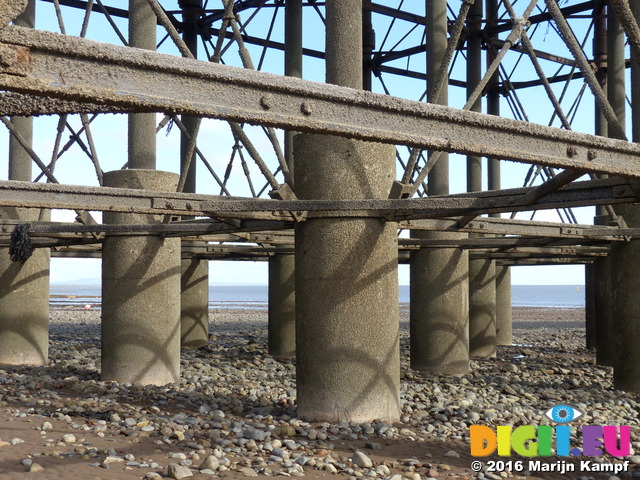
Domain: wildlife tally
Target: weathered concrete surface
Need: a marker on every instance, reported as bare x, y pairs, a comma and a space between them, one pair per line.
24, 302
140, 293
439, 317
482, 308
142, 126
625, 332
346, 286
282, 305
194, 303
24, 288
439, 294
604, 303
504, 325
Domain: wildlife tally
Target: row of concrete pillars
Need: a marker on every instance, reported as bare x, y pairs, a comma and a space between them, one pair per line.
346, 293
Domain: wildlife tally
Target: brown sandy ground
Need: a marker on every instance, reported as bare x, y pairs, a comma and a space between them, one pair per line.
70, 397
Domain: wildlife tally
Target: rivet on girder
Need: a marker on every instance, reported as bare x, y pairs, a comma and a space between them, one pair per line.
306, 108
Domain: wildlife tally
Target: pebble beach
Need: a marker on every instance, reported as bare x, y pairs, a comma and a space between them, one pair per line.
233, 414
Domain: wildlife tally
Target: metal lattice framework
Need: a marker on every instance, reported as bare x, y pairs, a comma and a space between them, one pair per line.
544, 72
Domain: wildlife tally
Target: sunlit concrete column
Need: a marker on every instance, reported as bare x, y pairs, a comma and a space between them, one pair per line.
347, 316
142, 126
504, 323
482, 288
282, 295
194, 282
625, 265
140, 292
439, 294
24, 287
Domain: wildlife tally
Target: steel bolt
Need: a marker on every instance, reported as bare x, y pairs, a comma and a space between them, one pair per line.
306, 108
592, 155
572, 151
265, 102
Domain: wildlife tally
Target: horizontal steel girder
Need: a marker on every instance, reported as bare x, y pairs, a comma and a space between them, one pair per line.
76, 69
47, 195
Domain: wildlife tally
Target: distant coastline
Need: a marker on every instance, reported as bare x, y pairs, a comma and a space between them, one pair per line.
255, 296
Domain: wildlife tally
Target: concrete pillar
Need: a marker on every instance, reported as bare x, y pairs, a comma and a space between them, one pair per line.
482, 289
625, 351
606, 328
597, 271
194, 303
439, 317
504, 323
140, 292
482, 308
347, 316
282, 295
24, 287
142, 126
194, 282
625, 264
439, 294
605, 349
282, 305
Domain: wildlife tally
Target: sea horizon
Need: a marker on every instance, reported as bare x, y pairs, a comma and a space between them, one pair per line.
256, 296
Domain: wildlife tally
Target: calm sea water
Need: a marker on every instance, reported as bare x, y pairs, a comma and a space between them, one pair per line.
250, 296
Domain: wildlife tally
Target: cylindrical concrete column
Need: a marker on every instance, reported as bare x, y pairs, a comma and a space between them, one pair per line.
347, 315
439, 294
282, 295
140, 292
194, 283
24, 287
439, 317
625, 263
594, 272
504, 327
347, 312
624, 353
605, 349
142, 126
482, 289
194, 303
482, 308
607, 321
282, 305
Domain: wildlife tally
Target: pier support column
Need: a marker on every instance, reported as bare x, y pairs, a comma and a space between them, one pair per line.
194, 303
504, 317
607, 319
439, 294
194, 282
282, 305
604, 303
282, 295
439, 317
140, 292
347, 315
482, 308
625, 263
482, 288
24, 287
